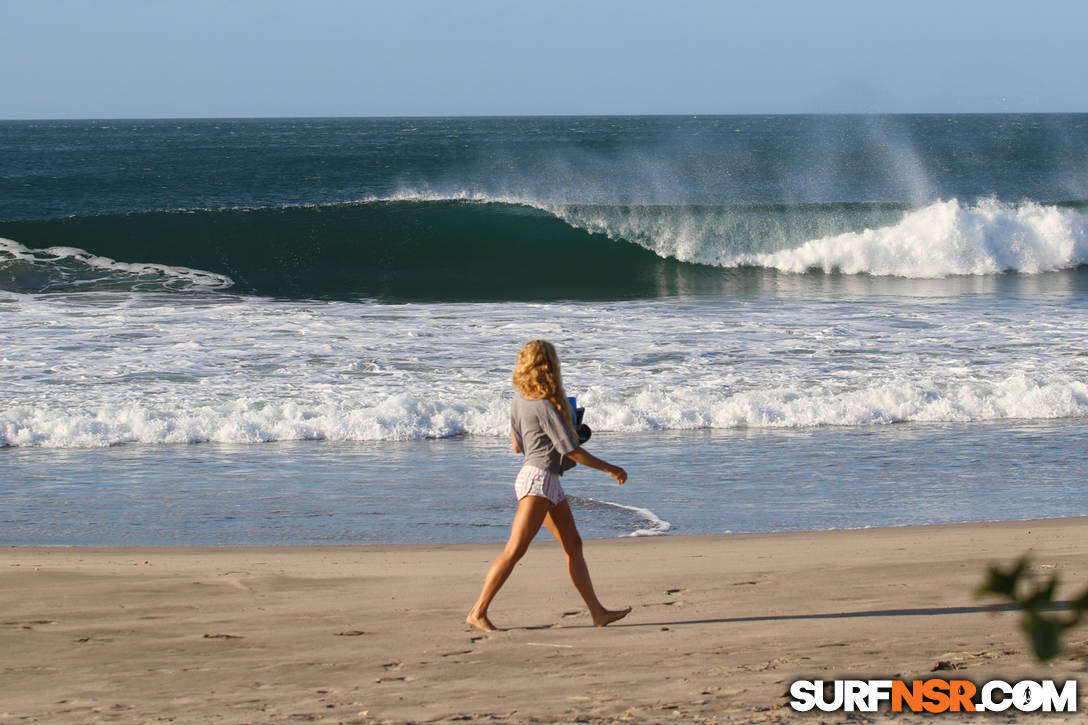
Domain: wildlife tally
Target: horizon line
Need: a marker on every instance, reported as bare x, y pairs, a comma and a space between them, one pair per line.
538, 115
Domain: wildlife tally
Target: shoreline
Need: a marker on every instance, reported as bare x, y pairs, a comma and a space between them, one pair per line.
721, 625
541, 537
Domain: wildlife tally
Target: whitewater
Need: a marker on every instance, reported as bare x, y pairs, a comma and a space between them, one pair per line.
155, 368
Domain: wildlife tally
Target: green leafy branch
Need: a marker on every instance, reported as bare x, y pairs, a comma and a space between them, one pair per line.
1043, 623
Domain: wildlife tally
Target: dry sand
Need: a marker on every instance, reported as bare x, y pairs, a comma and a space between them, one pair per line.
721, 625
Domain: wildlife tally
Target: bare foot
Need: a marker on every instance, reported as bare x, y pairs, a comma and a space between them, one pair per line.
481, 623
608, 616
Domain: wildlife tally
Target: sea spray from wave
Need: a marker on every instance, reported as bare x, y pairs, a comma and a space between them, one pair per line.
61, 169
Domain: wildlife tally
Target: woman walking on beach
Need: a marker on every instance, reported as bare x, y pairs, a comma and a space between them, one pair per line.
541, 427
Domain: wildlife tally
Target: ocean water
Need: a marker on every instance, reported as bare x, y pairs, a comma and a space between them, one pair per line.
302, 331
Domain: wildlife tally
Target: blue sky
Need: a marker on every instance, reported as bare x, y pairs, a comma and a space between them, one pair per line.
245, 58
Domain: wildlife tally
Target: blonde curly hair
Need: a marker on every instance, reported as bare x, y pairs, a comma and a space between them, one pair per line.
537, 375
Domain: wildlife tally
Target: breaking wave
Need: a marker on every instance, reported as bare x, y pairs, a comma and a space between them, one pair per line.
474, 248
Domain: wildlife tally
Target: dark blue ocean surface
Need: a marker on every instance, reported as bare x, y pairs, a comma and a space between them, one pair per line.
56, 169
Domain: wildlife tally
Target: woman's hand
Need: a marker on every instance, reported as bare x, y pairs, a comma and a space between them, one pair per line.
619, 474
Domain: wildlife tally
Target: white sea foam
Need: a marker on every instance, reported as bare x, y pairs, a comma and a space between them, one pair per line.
645, 521
190, 419
948, 238
123, 367
77, 269
656, 526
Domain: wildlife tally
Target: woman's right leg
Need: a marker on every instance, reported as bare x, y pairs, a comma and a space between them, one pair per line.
527, 521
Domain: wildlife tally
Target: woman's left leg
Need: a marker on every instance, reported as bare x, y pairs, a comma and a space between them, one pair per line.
531, 512
560, 522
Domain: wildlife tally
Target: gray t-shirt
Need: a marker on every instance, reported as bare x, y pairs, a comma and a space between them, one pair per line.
541, 433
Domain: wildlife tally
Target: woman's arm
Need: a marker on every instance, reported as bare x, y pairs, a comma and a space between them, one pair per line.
581, 455
514, 442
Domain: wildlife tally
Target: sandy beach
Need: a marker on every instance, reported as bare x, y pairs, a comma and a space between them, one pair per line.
720, 627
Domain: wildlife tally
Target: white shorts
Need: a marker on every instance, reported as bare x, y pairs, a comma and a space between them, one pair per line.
533, 481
